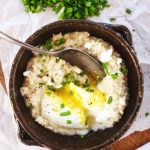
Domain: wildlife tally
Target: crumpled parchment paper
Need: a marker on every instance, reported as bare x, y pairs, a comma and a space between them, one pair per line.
15, 22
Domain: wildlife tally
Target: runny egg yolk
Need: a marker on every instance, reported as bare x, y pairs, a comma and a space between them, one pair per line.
80, 101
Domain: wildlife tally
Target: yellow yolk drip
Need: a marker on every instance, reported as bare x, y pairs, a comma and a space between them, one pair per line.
79, 100
73, 97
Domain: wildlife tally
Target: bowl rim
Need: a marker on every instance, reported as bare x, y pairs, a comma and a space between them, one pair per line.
131, 119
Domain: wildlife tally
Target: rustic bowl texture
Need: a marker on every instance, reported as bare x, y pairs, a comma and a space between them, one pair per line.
93, 140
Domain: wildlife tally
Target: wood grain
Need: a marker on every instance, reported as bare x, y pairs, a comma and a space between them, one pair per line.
130, 142
2, 80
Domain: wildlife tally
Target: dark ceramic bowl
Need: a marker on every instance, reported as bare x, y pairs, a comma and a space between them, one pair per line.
93, 140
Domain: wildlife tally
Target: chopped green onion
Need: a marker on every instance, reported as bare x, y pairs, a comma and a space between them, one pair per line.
41, 84
147, 114
62, 105
31, 106
42, 70
66, 113
89, 90
72, 9
114, 76
48, 44
43, 60
70, 93
100, 78
112, 19
77, 15
81, 74
52, 80
63, 83
57, 60
48, 93
69, 122
88, 4
57, 8
123, 70
86, 84
109, 100
128, 11
50, 87
59, 42
105, 67
69, 10
41, 55
70, 78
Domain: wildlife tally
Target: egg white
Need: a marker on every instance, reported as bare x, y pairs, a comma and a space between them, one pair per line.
51, 108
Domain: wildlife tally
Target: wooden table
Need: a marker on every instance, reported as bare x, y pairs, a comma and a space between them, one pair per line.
130, 142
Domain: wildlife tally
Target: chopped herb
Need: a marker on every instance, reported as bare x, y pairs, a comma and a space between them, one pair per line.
128, 11
146, 114
90, 103
41, 55
31, 106
41, 84
112, 19
69, 10
109, 100
114, 76
81, 74
58, 7
59, 42
76, 82
88, 4
52, 80
89, 90
63, 83
50, 87
66, 113
70, 93
57, 60
62, 105
82, 136
86, 84
69, 122
48, 93
70, 78
72, 9
100, 78
123, 70
105, 67
48, 44
86, 122
44, 60
42, 70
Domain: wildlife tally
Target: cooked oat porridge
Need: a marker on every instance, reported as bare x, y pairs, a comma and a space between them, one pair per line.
67, 100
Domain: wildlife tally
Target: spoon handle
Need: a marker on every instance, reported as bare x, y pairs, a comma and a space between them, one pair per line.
22, 44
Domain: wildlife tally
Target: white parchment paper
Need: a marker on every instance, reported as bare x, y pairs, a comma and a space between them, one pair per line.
15, 22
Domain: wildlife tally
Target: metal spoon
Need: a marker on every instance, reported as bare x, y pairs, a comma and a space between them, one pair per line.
74, 56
